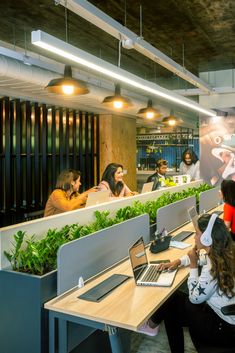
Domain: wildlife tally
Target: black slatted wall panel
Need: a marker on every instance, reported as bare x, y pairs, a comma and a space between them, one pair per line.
36, 143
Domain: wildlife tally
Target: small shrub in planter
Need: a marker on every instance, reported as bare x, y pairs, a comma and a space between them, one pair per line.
39, 256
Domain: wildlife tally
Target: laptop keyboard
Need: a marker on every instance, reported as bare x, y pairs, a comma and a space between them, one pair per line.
151, 275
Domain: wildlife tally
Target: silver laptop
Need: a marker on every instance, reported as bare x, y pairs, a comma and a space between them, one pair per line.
146, 274
193, 215
147, 187
95, 198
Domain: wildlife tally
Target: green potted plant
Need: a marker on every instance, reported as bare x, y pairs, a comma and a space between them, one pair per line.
32, 279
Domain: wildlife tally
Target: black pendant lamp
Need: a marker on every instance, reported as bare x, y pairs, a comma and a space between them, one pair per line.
149, 112
67, 85
117, 101
170, 120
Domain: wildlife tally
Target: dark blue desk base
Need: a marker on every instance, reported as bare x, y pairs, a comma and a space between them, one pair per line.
63, 319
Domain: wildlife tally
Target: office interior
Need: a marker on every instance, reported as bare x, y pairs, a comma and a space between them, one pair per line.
167, 60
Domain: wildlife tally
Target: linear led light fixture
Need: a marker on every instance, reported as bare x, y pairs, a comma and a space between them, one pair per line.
66, 50
100, 19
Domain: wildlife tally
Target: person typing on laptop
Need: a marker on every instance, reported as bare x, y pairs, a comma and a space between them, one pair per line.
208, 291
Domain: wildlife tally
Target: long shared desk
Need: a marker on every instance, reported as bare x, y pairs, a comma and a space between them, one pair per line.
128, 306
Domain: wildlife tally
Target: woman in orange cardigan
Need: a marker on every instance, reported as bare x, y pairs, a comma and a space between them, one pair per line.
66, 197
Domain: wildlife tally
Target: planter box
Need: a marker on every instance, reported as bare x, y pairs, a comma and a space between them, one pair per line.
24, 322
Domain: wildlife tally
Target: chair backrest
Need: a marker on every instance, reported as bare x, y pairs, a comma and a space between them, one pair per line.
33, 215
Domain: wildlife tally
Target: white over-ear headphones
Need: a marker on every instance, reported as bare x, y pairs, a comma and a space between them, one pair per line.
206, 238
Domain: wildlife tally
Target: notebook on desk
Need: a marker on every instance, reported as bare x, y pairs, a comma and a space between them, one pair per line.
147, 187
95, 198
146, 274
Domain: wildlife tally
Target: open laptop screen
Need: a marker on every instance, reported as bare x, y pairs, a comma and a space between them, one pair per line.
138, 258
193, 215
95, 198
147, 187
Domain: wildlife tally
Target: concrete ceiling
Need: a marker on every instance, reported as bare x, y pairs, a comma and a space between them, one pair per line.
198, 34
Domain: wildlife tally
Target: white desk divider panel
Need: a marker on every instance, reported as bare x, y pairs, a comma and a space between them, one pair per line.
174, 215
209, 199
94, 253
82, 216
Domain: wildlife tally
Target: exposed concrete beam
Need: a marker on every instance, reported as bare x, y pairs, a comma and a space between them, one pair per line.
100, 19
198, 92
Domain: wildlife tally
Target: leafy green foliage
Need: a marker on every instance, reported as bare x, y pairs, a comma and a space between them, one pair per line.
39, 256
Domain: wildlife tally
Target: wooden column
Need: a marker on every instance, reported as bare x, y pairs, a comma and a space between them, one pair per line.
118, 145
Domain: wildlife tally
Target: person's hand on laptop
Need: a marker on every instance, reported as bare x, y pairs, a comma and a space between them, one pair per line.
171, 265
134, 193
93, 189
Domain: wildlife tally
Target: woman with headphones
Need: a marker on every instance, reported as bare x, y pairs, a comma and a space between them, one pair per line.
211, 286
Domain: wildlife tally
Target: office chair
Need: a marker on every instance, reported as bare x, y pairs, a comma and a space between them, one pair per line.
226, 310
33, 215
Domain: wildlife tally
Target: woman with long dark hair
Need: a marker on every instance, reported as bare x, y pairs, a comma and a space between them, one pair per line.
190, 164
228, 193
112, 180
211, 285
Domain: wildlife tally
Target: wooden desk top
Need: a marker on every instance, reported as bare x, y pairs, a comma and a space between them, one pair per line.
128, 306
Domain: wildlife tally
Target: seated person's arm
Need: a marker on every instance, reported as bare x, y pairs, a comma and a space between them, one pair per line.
128, 192
103, 185
183, 261
200, 287
228, 224
93, 189
60, 202
197, 174
181, 168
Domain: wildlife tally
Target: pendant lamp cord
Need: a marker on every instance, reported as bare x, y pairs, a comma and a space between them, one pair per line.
25, 39
125, 13
119, 52
141, 22
66, 21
